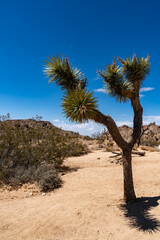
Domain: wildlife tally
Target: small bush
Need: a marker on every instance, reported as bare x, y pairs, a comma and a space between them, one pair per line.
151, 149
110, 144
20, 175
145, 148
109, 149
151, 142
99, 137
87, 138
48, 178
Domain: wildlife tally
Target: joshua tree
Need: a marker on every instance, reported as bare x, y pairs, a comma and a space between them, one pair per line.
122, 82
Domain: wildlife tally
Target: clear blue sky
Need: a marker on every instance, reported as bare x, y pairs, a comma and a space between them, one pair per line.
90, 33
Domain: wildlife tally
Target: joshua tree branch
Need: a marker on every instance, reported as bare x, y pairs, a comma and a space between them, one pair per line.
142, 133
112, 128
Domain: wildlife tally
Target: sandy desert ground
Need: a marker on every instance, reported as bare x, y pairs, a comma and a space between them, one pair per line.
89, 205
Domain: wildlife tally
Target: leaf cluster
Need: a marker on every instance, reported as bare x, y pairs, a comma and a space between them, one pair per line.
123, 82
79, 106
60, 71
135, 69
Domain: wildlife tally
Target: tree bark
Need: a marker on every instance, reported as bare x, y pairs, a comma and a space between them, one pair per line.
137, 122
112, 128
129, 193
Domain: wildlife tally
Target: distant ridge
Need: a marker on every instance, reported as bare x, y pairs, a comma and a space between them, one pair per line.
150, 137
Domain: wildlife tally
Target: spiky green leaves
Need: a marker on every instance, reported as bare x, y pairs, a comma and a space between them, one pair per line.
135, 69
60, 71
125, 81
115, 84
79, 106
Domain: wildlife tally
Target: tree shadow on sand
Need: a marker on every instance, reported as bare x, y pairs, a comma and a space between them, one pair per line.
139, 216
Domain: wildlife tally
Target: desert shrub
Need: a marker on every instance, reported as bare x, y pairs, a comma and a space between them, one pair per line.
101, 140
19, 175
48, 178
151, 149
37, 118
78, 149
110, 144
5, 117
96, 135
109, 149
24, 148
151, 141
87, 138
144, 148
99, 137
30, 146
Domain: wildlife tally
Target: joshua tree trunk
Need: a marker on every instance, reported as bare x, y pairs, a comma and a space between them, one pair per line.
129, 193
126, 146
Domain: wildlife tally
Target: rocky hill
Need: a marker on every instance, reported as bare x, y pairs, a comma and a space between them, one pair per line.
150, 134
30, 123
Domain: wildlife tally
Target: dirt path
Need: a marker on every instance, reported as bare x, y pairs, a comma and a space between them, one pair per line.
88, 206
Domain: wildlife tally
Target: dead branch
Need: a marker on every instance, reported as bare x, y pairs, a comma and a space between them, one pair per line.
117, 154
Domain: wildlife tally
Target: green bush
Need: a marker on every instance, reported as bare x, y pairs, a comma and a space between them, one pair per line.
109, 149
150, 142
48, 178
110, 144
20, 175
100, 137
25, 147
